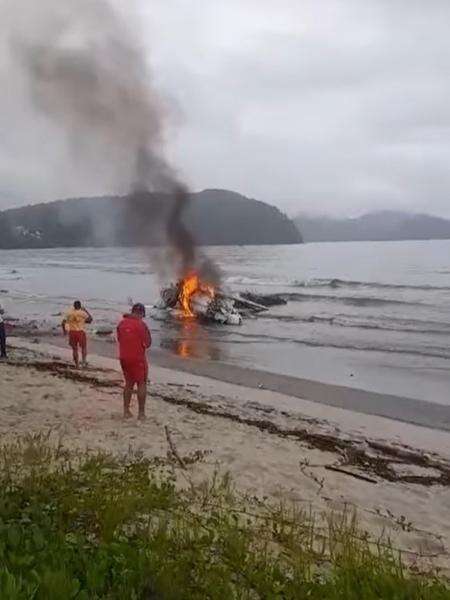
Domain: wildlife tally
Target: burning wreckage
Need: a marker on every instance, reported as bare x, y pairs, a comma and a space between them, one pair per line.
191, 297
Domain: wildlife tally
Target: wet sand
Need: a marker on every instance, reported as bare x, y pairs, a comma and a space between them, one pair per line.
399, 408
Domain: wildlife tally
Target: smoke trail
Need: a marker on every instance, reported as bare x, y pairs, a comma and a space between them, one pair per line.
85, 71
180, 237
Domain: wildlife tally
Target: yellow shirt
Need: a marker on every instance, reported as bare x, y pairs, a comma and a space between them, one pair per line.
76, 319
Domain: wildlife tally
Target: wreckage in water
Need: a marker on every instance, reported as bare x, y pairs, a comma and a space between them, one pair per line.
192, 298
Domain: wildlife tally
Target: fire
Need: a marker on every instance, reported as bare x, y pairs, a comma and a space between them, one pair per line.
189, 286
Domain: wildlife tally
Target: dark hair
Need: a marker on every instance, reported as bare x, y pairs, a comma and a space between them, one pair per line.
77, 305
138, 309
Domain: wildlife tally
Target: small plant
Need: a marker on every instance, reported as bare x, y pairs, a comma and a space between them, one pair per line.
94, 526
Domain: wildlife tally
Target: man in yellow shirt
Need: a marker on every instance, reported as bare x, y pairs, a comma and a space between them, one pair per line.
74, 323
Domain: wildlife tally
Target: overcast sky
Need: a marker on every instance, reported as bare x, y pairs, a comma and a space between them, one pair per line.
326, 106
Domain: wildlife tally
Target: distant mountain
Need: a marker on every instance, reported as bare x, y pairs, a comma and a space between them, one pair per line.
375, 226
215, 217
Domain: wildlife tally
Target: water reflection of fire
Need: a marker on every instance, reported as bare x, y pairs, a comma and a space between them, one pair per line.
199, 348
189, 286
192, 341
183, 349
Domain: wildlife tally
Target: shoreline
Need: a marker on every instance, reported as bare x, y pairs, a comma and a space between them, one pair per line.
398, 408
395, 476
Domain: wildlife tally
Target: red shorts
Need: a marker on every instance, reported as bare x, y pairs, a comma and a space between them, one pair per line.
77, 338
134, 371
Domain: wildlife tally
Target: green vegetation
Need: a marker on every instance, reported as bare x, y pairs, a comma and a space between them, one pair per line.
214, 217
93, 526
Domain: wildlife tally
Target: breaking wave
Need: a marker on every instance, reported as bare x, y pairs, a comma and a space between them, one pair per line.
341, 283
349, 300
251, 281
241, 280
394, 325
10, 276
126, 270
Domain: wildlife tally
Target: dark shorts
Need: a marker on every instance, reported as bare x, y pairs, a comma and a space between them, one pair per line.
77, 338
134, 371
2, 340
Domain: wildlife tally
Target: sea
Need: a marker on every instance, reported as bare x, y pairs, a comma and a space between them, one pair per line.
369, 315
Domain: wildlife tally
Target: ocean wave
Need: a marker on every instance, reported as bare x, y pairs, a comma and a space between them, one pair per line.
333, 283
350, 300
340, 283
431, 352
295, 319
394, 325
419, 327
252, 281
10, 275
360, 346
58, 300
127, 270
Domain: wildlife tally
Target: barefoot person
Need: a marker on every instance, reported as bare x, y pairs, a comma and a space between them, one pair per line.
134, 339
2, 334
74, 323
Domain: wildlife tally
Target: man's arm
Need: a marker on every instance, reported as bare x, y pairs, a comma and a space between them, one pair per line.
147, 336
89, 318
63, 325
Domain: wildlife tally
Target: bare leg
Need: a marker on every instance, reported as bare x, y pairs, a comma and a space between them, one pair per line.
83, 350
75, 356
142, 395
127, 393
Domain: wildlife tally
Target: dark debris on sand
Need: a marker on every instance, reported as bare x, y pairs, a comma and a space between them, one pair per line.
369, 459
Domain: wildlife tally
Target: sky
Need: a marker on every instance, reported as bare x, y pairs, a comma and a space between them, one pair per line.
320, 106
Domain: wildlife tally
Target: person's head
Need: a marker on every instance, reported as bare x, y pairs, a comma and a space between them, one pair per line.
77, 305
138, 310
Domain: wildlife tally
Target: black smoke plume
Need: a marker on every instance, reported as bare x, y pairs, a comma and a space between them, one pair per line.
84, 69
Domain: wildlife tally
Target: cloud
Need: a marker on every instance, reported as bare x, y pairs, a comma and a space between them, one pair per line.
336, 106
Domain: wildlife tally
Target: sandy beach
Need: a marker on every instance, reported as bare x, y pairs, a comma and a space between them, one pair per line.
395, 475
431, 413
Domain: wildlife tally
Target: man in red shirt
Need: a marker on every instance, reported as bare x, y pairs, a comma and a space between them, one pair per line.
134, 339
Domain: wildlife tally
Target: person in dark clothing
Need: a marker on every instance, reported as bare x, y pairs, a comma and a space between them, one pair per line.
2, 334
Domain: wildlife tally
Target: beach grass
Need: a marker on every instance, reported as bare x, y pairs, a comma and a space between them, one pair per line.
90, 525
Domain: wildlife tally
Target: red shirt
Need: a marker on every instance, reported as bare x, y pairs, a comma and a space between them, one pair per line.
134, 338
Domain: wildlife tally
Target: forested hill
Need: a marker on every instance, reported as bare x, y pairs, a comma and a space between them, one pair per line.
215, 217
375, 226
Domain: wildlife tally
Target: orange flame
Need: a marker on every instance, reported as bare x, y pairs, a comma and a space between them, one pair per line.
183, 349
189, 286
